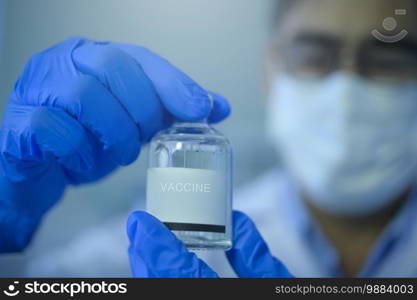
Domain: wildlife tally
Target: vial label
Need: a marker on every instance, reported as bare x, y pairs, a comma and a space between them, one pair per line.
187, 199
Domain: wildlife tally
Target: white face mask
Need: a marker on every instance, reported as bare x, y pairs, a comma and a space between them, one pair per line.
350, 143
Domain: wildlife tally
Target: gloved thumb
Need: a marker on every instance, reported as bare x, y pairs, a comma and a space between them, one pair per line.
156, 252
250, 256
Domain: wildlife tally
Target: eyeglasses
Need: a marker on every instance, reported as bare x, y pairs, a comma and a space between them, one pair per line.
316, 55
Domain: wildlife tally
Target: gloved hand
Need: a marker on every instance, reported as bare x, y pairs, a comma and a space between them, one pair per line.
155, 251
79, 110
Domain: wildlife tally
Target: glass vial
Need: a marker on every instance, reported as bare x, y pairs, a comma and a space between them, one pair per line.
189, 184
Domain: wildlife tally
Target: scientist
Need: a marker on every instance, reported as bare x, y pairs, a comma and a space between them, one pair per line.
342, 113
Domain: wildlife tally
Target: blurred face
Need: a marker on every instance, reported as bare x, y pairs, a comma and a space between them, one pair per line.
343, 101
319, 37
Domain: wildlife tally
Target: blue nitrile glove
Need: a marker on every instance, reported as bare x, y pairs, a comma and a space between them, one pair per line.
155, 251
79, 110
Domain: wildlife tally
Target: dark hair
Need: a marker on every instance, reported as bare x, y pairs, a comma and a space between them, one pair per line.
280, 9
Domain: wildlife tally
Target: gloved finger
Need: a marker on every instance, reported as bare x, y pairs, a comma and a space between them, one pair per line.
180, 95
103, 166
250, 256
53, 74
154, 250
221, 108
39, 134
125, 79
97, 109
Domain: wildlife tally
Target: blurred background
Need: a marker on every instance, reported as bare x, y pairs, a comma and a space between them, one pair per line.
218, 43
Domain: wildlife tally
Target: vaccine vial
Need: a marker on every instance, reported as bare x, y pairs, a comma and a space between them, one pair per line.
189, 184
